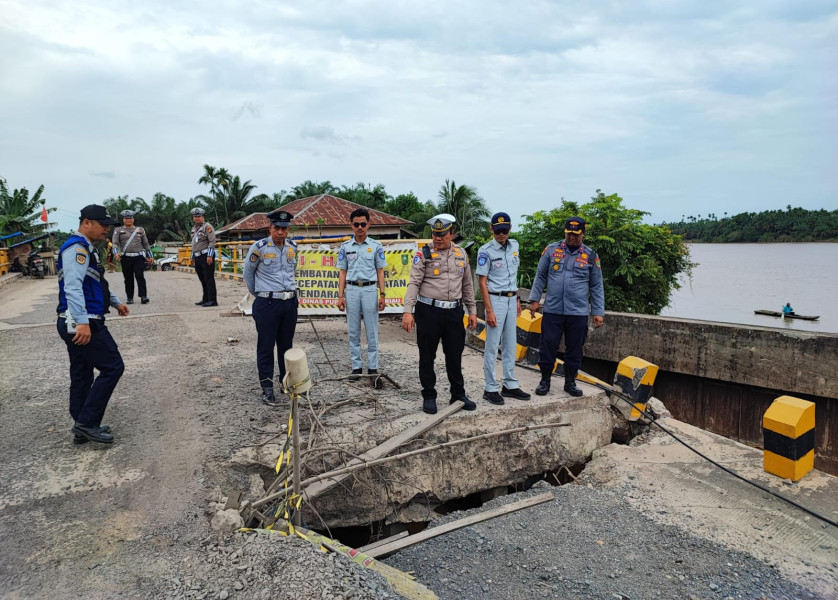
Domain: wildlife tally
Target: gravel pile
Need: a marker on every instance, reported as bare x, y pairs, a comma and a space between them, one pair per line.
251, 566
585, 544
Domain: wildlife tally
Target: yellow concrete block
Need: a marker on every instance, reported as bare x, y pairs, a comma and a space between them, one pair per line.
529, 323
633, 366
787, 468
789, 416
520, 351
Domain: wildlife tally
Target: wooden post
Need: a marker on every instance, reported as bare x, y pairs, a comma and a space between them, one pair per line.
295, 450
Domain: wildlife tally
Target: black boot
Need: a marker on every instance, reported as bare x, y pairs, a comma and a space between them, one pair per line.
544, 384
429, 406
268, 396
570, 382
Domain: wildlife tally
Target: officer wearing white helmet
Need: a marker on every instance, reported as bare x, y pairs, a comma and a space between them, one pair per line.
131, 248
440, 284
203, 254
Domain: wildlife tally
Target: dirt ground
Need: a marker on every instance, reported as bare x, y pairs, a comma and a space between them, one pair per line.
113, 522
89, 520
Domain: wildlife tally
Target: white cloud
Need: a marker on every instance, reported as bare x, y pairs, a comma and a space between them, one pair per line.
674, 106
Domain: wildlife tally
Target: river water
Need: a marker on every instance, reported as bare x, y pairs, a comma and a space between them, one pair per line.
733, 280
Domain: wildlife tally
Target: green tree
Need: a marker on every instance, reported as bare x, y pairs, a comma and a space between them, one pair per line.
217, 179
310, 188
466, 205
640, 262
18, 210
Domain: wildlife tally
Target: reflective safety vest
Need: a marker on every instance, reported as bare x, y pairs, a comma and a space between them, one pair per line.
95, 287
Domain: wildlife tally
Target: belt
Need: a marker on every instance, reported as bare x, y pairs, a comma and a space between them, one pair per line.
205, 251
361, 283
439, 303
507, 294
134, 254
97, 317
277, 295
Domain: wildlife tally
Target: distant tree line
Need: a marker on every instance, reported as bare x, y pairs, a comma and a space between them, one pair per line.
790, 225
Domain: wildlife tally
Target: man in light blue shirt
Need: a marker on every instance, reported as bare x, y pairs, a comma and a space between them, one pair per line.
269, 274
497, 272
83, 300
361, 263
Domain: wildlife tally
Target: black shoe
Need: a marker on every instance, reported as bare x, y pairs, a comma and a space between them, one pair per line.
377, 382
102, 428
209, 303
570, 388
144, 300
200, 303
514, 393
93, 434
129, 301
429, 406
355, 373
493, 397
468, 404
78, 440
543, 387
268, 396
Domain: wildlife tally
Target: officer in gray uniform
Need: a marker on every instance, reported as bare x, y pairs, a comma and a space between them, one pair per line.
269, 274
204, 254
571, 272
440, 283
131, 248
361, 263
497, 273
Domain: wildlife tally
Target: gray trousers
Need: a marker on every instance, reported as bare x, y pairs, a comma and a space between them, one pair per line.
362, 301
505, 336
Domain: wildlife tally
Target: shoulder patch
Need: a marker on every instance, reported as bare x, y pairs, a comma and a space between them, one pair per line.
417, 257
482, 258
209, 228
380, 252
596, 262
254, 257
81, 257
341, 253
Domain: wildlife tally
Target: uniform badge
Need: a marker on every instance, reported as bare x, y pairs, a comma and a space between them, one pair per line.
369, 249
417, 258
436, 271
254, 257
341, 254
584, 255
482, 259
596, 262
381, 253
434, 254
81, 258
514, 254
555, 267
209, 228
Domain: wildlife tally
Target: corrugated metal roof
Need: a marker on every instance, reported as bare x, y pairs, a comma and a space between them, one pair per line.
325, 210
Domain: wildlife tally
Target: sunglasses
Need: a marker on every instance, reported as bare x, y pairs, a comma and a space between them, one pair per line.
503, 231
359, 224
438, 234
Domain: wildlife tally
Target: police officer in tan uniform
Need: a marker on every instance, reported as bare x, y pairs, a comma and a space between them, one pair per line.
131, 248
204, 254
440, 284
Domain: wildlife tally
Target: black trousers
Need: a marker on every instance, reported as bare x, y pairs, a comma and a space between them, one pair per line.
432, 325
575, 330
89, 397
206, 275
134, 267
276, 321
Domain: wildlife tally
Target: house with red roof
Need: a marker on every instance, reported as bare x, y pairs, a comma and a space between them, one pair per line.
318, 216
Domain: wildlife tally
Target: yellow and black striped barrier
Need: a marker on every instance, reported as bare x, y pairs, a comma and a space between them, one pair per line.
635, 378
788, 430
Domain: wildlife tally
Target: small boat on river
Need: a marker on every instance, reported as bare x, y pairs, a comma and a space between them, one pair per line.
777, 313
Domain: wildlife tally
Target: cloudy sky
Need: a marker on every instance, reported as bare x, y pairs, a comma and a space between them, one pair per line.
681, 107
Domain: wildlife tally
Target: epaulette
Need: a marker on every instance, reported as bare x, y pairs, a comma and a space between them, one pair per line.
291, 242
262, 243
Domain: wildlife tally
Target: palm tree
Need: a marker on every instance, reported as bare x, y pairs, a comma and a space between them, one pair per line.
467, 206
17, 210
310, 188
217, 179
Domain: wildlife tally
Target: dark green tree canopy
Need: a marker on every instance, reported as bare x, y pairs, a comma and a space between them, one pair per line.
790, 225
640, 262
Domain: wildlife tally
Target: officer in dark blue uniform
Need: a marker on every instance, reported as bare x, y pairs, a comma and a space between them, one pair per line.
571, 273
269, 274
83, 300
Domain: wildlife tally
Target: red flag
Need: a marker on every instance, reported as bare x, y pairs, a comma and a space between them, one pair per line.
44, 217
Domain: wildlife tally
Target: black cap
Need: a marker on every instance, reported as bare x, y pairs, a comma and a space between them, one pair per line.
95, 212
575, 225
280, 218
501, 220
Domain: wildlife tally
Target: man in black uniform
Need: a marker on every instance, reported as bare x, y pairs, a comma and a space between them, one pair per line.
203, 253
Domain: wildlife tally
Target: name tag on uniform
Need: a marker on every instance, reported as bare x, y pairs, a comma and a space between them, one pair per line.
497, 264
350, 256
